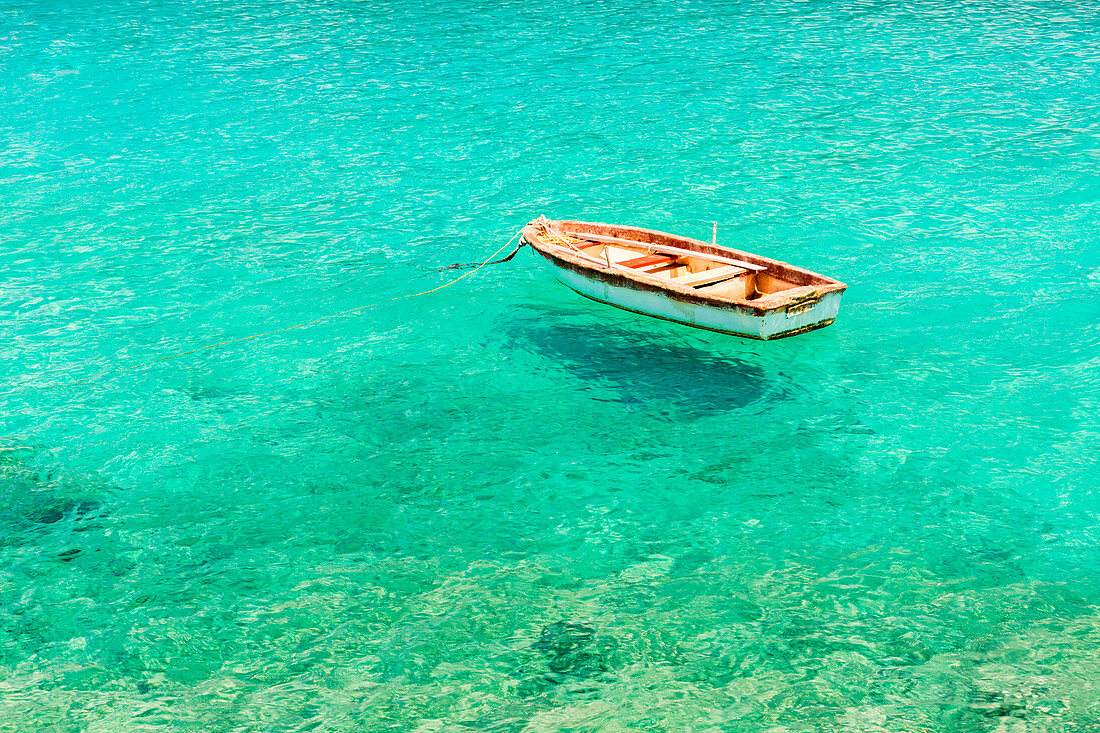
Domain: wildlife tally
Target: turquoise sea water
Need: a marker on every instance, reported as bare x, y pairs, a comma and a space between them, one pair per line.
501, 507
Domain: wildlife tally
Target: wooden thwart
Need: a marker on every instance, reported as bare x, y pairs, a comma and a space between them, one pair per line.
647, 260
709, 276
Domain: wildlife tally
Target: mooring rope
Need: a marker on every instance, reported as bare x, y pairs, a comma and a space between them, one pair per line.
547, 234
460, 265
303, 324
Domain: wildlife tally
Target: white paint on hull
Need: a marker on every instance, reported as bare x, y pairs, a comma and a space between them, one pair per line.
767, 325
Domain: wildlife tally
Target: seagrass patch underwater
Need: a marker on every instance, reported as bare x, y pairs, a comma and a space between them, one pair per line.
499, 506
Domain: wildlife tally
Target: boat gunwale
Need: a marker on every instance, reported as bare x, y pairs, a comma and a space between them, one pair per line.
821, 284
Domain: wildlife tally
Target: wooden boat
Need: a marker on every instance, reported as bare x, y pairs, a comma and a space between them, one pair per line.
686, 280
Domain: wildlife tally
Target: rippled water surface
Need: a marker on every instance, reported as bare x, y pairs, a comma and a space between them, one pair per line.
501, 507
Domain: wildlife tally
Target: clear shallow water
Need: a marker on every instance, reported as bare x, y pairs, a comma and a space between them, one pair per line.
501, 507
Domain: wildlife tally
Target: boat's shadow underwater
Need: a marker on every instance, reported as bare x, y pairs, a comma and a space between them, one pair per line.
646, 372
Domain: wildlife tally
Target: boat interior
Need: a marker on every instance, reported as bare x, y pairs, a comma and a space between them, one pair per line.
710, 275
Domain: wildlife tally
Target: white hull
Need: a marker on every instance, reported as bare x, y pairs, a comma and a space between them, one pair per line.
734, 320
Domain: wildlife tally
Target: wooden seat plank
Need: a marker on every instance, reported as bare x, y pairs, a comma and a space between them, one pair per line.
647, 260
708, 276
